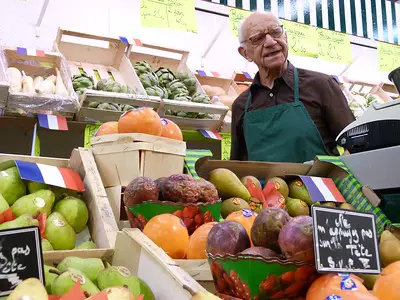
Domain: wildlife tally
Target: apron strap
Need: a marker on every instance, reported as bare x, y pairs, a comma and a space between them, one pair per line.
248, 100
296, 85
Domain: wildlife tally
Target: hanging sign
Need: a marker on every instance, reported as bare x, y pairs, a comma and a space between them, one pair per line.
334, 46
21, 257
235, 17
302, 39
172, 14
226, 146
345, 241
389, 57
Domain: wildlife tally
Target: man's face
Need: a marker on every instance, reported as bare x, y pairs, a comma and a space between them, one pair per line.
265, 50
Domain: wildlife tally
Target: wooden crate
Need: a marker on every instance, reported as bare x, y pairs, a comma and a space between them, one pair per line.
228, 85
199, 269
102, 63
4, 86
123, 157
102, 225
134, 251
20, 103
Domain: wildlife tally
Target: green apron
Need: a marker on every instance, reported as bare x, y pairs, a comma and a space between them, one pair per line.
283, 133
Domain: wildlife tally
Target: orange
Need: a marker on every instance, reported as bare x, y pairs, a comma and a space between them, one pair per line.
140, 120
169, 233
386, 285
245, 217
107, 128
198, 242
330, 284
171, 130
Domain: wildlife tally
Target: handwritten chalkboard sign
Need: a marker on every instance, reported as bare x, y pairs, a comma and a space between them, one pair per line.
345, 241
20, 257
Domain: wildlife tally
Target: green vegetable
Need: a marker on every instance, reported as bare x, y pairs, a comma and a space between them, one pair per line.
201, 98
165, 76
175, 88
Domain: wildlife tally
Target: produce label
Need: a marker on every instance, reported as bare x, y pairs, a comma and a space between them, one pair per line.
334, 46
20, 257
345, 241
226, 146
251, 278
235, 17
172, 14
389, 57
302, 39
90, 130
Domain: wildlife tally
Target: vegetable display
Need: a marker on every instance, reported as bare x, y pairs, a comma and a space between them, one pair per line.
359, 102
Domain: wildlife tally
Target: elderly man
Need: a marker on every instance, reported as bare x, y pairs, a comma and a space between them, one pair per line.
287, 114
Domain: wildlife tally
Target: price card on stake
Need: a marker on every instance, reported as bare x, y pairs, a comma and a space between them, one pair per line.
389, 57
302, 39
334, 46
172, 14
226, 146
20, 257
235, 17
90, 130
345, 241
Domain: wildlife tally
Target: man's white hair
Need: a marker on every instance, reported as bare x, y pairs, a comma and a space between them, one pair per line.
241, 35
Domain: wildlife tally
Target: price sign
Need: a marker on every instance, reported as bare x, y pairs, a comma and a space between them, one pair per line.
20, 257
302, 39
235, 17
389, 57
345, 241
172, 14
334, 46
90, 130
226, 146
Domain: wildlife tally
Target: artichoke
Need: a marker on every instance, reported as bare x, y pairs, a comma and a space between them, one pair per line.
176, 87
82, 82
108, 106
148, 80
165, 76
128, 107
93, 104
142, 67
155, 91
189, 81
100, 85
201, 98
131, 91
182, 97
124, 89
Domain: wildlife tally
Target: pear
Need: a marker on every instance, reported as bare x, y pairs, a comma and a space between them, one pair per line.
254, 180
59, 233
22, 221
11, 185
119, 293
228, 184
87, 245
34, 186
91, 267
32, 288
41, 201
3, 204
74, 211
118, 276
65, 281
61, 193
346, 205
328, 204
46, 246
145, 290
389, 248
50, 276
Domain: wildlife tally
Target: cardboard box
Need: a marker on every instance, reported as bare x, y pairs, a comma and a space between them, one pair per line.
134, 251
102, 225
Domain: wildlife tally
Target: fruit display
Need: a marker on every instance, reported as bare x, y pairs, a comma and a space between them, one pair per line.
181, 86
94, 276
359, 102
84, 82
60, 213
23, 83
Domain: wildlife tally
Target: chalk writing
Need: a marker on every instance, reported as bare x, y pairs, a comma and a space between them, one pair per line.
389, 56
334, 46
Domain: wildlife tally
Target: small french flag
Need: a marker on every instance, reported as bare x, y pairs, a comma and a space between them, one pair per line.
135, 42
205, 73
51, 175
247, 75
53, 122
211, 134
30, 52
322, 189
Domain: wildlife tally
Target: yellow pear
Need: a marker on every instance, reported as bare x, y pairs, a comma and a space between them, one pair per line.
31, 287
389, 248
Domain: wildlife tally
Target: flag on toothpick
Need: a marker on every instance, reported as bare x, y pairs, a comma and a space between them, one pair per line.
52, 122
322, 189
211, 134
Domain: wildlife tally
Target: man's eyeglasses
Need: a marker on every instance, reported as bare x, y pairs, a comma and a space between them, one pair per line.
259, 38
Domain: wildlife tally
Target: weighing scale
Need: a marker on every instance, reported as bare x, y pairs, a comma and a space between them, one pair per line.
374, 141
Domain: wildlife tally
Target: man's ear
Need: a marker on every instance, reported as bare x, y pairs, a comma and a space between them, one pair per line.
243, 52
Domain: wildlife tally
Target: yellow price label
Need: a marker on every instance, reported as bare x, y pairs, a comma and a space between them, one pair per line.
334, 46
90, 130
389, 57
235, 17
36, 149
172, 14
226, 146
302, 39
